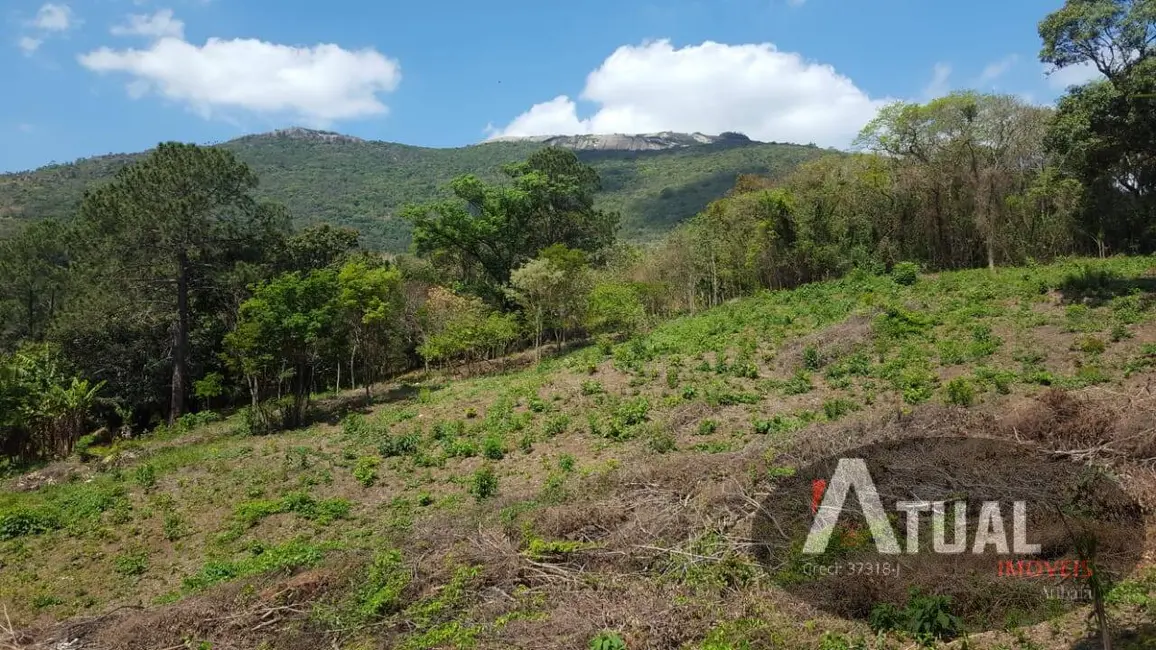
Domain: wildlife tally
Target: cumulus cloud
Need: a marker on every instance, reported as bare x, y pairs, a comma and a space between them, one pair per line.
158, 25
316, 85
54, 18
754, 88
996, 69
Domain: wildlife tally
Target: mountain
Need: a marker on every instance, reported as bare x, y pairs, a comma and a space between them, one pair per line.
655, 180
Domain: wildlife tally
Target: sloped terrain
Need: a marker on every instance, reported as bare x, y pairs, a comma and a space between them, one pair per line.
607, 491
352, 182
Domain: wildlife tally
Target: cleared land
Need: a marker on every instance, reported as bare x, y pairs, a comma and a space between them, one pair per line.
610, 488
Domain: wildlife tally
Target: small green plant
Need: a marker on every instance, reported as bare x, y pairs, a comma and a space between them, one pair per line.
381, 593
607, 640
131, 563
556, 425
1092, 345
591, 387
798, 384
365, 470
484, 483
493, 447
960, 392
400, 445
173, 527
146, 476
537, 404
812, 359
566, 463
837, 408
706, 427
905, 273
661, 441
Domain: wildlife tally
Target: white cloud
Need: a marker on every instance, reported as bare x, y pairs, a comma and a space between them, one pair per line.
317, 85
28, 44
1073, 75
996, 69
753, 88
158, 25
938, 86
54, 18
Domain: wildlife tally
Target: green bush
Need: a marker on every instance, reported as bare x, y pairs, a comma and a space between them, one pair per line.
706, 427
905, 273
960, 392
365, 470
493, 447
484, 484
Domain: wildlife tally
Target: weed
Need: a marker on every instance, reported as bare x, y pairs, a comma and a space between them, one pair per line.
661, 441
706, 427
837, 408
131, 563
1091, 345
145, 476
812, 359
798, 384
400, 445
365, 470
607, 640
591, 387
556, 425
289, 555
566, 463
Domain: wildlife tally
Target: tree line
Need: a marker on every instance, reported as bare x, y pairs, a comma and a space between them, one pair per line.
173, 289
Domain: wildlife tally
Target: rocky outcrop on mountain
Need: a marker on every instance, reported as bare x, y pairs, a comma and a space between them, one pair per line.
626, 142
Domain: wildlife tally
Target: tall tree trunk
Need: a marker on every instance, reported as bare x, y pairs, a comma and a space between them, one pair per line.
180, 340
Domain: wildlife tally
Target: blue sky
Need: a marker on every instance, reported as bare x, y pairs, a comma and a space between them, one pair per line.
88, 77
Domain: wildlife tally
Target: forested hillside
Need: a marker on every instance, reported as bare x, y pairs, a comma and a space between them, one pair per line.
363, 184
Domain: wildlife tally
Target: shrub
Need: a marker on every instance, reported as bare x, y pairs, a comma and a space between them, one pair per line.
400, 445
960, 392
661, 441
798, 384
132, 563
556, 425
384, 585
812, 359
1092, 345
837, 408
365, 470
484, 484
493, 447
707, 427
566, 463
905, 273
145, 476
591, 387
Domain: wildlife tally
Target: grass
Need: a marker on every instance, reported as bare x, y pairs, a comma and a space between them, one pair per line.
185, 510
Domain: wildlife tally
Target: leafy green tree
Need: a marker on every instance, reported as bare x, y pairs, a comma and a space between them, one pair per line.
164, 226
456, 327
283, 335
1105, 131
372, 304
614, 307
551, 289
486, 231
317, 247
1111, 35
